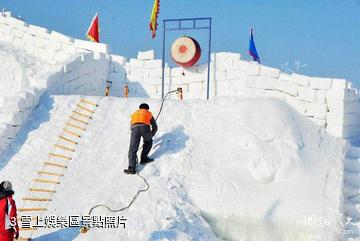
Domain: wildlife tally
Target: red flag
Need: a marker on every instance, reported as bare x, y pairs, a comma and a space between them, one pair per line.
93, 31
154, 16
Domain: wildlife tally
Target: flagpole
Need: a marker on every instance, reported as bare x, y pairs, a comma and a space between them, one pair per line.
163, 64
209, 60
250, 57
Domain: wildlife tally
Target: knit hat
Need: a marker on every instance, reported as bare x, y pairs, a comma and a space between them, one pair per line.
7, 187
144, 106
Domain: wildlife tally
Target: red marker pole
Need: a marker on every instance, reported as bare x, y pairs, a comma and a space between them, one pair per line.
180, 92
126, 91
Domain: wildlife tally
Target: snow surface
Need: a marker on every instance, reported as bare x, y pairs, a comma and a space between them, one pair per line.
228, 168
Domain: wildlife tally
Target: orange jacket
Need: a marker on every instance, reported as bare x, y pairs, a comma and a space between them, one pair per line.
141, 116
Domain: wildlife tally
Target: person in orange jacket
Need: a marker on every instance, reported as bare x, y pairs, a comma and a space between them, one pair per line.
141, 120
9, 228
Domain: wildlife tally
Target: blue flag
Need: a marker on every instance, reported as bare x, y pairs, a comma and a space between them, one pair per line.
252, 48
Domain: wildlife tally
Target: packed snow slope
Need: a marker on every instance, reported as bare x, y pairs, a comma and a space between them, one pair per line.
225, 169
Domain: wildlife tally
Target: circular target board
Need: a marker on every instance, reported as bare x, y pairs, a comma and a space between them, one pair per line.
185, 51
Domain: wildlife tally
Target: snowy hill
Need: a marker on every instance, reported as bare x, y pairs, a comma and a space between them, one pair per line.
233, 168
258, 161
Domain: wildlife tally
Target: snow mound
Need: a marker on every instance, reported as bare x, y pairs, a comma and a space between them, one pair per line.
243, 169
258, 170
274, 137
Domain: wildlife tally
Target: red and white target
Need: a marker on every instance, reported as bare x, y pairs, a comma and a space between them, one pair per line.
185, 51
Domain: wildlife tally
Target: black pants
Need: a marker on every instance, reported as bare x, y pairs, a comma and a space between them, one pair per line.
136, 134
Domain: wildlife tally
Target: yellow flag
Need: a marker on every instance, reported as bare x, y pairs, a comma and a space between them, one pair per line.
154, 16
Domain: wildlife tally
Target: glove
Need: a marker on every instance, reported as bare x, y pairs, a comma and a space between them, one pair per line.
16, 236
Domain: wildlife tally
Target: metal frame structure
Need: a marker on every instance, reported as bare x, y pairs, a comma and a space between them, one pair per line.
180, 27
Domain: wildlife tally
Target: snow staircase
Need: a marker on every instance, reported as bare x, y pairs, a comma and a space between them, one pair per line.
44, 185
352, 192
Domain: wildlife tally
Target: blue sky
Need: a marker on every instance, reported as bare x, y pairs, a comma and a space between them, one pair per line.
317, 38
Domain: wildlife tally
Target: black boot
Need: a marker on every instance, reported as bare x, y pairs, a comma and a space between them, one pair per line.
146, 160
130, 170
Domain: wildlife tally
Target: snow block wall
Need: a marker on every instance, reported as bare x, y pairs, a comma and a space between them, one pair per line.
84, 65
48, 45
35, 60
22, 77
13, 113
84, 68
85, 75
330, 103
